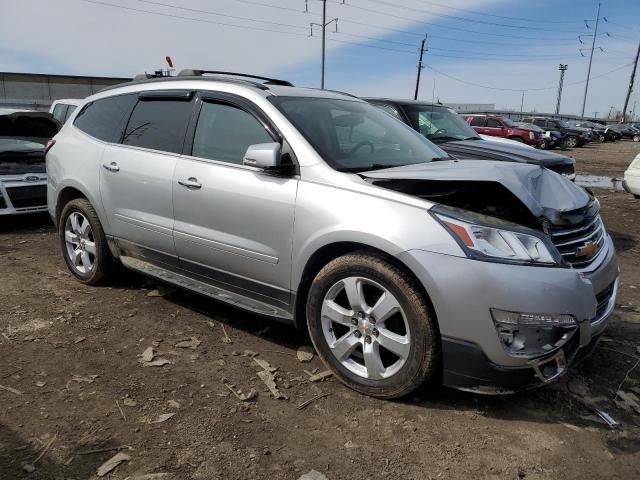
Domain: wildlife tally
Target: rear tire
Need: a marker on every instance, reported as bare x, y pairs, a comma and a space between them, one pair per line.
371, 325
83, 242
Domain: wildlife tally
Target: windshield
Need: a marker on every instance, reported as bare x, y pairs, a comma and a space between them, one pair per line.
564, 124
509, 123
19, 156
356, 136
438, 123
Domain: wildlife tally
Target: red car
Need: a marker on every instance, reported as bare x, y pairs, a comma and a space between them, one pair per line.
503, 127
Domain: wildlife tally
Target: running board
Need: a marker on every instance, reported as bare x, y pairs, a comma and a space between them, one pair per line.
205, 289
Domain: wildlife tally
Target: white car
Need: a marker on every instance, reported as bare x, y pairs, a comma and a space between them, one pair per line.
631, 181
63, 108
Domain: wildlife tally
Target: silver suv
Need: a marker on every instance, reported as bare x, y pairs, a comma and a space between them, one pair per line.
320, 209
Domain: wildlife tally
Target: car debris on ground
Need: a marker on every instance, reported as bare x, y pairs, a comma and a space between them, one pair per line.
112, 463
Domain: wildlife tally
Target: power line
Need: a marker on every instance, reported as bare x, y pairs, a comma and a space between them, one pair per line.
475, 12
435, 25
504, 89
209, 12
200, 20
463, 19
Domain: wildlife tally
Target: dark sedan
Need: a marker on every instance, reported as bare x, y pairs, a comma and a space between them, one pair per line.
450, 132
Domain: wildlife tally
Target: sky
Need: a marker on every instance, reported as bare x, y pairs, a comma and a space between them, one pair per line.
478, 51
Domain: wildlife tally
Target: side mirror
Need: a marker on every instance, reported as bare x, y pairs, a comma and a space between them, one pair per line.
262, 155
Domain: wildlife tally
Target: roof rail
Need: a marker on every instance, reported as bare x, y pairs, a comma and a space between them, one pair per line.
199, 73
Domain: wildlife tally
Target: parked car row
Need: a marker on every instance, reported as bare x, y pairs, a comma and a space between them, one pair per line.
403, 243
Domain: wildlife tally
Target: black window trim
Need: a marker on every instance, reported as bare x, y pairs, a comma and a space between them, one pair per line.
121, 126
246, 105
186, 95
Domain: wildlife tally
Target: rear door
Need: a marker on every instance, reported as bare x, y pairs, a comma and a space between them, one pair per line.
137, 175
494, 128
478, 124
234, 223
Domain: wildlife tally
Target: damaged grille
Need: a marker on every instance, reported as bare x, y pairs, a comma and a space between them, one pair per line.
579, 245
25, 197
567, 169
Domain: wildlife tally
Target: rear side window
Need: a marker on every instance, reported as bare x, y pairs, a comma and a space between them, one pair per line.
158, 124
60, 112
491, 123
224, 132
477, 122
103, 118
70, 110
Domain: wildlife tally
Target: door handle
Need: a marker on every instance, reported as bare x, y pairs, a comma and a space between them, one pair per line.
112, 167
191, 182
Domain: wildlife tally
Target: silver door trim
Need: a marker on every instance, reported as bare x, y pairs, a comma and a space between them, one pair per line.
225, 247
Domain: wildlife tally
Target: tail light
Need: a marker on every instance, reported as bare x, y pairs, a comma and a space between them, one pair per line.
48, 146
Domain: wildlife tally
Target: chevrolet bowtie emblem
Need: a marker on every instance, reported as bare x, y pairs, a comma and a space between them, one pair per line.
588, 250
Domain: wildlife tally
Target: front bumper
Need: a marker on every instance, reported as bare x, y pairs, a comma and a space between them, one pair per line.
463, 291
20, 194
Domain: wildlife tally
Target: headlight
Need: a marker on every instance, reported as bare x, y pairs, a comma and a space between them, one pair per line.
531, 135
498, 244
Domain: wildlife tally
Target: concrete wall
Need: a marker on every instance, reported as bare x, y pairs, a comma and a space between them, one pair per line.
37, 92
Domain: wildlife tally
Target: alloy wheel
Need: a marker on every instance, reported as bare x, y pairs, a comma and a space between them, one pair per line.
80, 243
365, 328
571, 142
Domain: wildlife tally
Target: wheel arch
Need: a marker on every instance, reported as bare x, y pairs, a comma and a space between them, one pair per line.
328, 252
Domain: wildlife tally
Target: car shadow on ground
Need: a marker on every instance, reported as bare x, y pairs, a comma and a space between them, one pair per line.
25, 223
623, 241
77, 461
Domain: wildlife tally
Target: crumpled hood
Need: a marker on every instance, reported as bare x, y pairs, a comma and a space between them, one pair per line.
543, 192
40, 125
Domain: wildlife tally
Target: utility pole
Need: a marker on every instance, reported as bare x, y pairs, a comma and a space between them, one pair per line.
593, 46
521, 105
324, 25
420, 67
631, 80
562, 68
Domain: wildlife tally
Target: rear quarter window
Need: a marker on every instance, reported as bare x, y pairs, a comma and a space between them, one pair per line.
103, 119
159, 124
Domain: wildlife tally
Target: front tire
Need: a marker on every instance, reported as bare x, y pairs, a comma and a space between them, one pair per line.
371, 325
83, 242
572, 141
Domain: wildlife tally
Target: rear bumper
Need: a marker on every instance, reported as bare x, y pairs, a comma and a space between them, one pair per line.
21, 196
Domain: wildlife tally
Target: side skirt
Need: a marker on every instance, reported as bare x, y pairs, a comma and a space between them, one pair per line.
206, 289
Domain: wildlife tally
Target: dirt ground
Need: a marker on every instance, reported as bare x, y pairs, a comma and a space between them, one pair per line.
73, 392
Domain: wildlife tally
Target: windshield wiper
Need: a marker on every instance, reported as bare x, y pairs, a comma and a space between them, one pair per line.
367, 168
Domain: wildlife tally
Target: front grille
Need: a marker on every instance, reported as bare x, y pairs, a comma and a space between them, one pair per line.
570, 240
564, 169
602, 299
25, 197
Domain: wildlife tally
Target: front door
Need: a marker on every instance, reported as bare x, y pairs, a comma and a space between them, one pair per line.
136, 179
234, 223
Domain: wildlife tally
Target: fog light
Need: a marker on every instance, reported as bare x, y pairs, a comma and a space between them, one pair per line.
532, 334
540, 319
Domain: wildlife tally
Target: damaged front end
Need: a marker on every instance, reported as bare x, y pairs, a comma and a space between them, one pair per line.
523, 216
